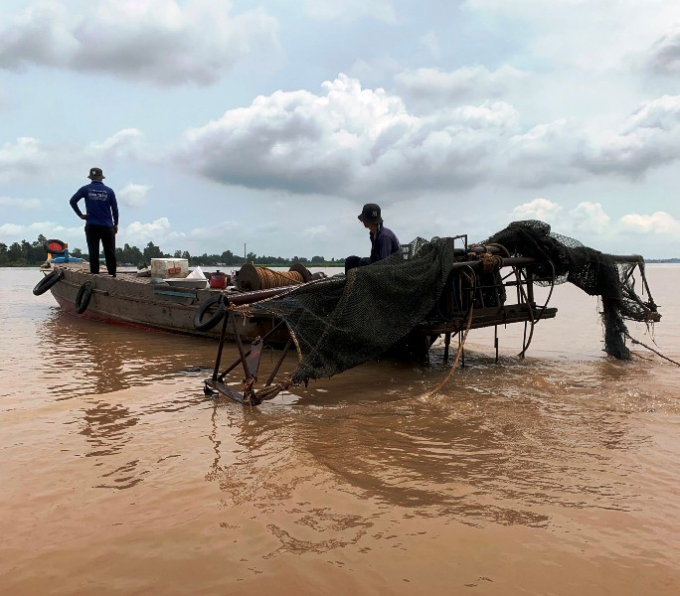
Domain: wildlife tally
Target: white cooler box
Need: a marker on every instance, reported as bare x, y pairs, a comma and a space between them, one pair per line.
165, 268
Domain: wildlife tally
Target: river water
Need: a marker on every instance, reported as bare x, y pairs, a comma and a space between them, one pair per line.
558, 474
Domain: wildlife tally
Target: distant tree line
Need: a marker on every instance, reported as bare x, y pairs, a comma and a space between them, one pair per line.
25, 254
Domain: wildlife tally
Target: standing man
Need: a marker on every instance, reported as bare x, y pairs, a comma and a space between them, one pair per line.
102, 220
384, 242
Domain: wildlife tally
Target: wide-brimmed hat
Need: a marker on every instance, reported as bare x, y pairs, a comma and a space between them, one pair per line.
371, 214
96, 173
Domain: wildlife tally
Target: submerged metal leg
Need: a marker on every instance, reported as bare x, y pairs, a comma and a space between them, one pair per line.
495, 340
250, 360
279, 363
447, 344
223, 336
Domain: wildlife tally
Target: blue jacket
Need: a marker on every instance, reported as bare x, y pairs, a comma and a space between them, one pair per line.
384, 244
100, 204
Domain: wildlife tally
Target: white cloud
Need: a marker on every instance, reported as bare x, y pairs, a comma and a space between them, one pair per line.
650, 138
591, 36
352, 141
541, 209
590, 217
432, 86
221, 230
19, 203
160, 41
662, 113
349, 141
133, 195
315, 231
28, 158
11, 230
140, 234
544, 155
589, 223
351, 10
125, 143
430, 42
657, 223
664, 56
50, 229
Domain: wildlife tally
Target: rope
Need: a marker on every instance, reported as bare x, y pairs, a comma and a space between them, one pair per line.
527, 343
274, 279
639, 343
455, 362
490, 262
251, 278
272, 391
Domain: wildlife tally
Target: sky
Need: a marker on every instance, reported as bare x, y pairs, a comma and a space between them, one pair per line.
265, 126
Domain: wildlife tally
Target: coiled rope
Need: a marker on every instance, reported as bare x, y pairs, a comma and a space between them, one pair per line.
251, 278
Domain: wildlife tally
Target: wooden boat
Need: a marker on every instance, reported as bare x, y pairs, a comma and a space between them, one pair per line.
464, 288
137, 302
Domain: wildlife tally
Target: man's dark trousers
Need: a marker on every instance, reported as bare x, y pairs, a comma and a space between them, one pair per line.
94, 234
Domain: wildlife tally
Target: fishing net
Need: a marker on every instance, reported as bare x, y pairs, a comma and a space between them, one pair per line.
342, 321
345, 320
595, 273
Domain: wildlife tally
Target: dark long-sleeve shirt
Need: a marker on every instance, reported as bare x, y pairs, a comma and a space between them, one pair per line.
384, 244
100, 203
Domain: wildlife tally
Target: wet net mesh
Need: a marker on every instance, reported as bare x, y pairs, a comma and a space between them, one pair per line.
594, 272
345, 320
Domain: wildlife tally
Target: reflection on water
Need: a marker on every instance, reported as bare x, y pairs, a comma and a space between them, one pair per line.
105, 427
99, 358
473, 458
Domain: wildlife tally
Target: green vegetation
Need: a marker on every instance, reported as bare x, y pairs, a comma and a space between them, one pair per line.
24, 254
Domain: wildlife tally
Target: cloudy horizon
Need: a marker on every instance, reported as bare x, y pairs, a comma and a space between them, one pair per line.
224, 124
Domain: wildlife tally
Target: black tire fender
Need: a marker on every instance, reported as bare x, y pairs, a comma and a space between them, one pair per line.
48, 281
201, 325
83, 297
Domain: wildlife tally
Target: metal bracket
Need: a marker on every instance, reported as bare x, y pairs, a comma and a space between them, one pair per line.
250, 361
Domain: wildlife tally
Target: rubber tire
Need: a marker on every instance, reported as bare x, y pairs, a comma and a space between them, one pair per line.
83, 297
201, 325
48, 281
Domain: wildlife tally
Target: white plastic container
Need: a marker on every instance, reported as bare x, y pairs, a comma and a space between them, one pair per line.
165, 268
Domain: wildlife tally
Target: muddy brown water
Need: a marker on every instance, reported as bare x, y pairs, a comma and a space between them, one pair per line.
558, 474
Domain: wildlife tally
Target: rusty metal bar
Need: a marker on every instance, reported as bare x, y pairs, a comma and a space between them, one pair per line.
239, 344
447, 344
279, 363
238, 360
223, 337
253, 360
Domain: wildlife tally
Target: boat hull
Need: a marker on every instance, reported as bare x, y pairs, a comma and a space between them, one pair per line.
135, 302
